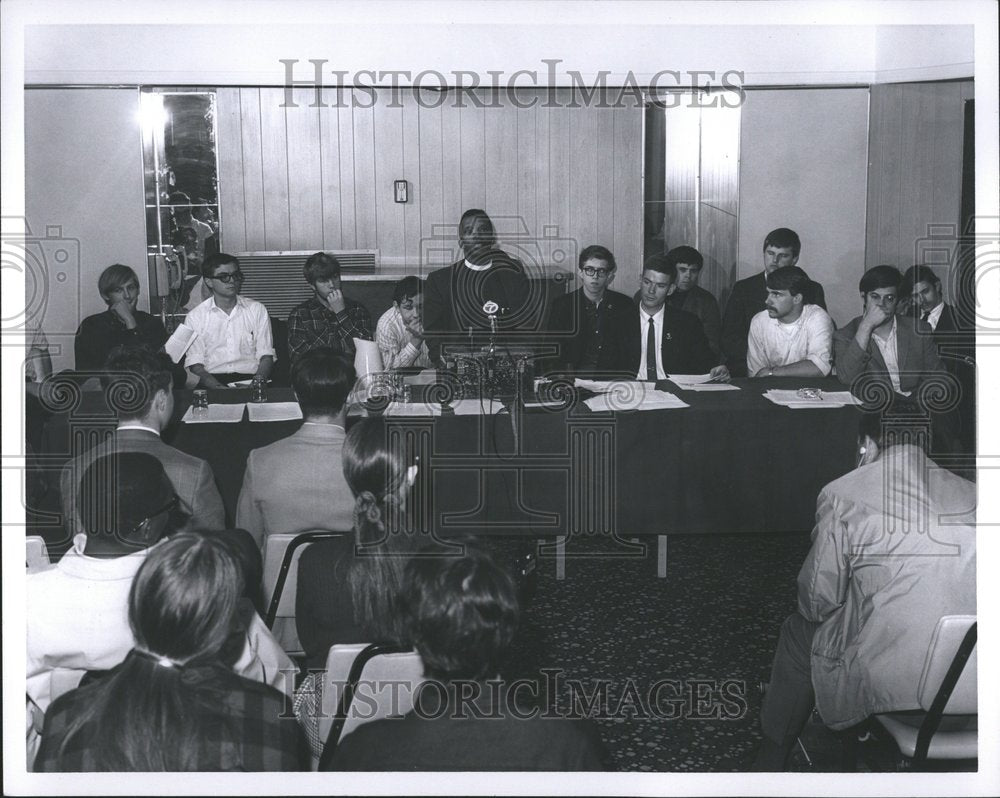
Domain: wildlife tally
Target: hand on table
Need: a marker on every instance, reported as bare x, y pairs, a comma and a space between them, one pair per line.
719, 374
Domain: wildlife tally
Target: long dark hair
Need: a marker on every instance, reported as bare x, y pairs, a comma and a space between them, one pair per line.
181, 609
375, 469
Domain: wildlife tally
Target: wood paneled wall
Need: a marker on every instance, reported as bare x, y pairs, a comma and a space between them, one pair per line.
554, 179
915, 167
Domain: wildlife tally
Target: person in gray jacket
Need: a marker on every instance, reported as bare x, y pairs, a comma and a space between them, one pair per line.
893, 550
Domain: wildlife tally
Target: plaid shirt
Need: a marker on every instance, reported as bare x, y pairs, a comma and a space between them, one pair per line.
247, 732
312, 325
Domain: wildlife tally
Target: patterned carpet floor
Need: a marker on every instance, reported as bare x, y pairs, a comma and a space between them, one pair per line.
681, 658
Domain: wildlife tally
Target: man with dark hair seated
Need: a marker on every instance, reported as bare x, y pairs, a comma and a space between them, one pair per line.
121, 324
234, 332
659, 340
587, 324
781, 248
792, 337
138, 385
297, 484
328, 319
463, 616
400, 330
893, 550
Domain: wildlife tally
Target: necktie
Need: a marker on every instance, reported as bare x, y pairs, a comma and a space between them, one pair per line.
650, 352
925, 315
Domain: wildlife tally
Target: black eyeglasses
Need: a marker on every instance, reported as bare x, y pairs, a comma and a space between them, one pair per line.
228, 278
587, 270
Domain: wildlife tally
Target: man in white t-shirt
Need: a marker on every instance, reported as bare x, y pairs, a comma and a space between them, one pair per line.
234, 332
791, 337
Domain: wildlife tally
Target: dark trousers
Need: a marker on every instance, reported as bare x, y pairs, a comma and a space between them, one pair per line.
790, 698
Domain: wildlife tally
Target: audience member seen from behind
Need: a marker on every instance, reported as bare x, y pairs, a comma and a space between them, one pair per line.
138, 382
173, 704
297, 484
233, 340
400, 331
348, 588
463, 613
121, 324
893, 550
327, 319
792, 337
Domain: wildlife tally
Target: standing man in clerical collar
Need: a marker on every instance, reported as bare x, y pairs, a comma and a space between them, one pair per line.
233, 339
460, 299
586, 325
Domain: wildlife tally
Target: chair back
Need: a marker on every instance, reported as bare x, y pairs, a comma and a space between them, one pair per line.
949, 634
37, 555
387, 677
281, 569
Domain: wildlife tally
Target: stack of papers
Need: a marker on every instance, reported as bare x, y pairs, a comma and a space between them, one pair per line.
604, 386
274, 411
797, 401
634, 396
699, 382
215, 414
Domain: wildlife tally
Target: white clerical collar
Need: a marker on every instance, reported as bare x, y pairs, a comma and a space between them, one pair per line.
137, 425
477, 267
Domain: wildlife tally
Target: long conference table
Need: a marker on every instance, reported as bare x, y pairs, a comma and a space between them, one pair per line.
731, 462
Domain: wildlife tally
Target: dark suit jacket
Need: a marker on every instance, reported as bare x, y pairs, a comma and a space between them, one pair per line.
566, 332
684, 348
745, 301
449, 310
191, 477
915, 350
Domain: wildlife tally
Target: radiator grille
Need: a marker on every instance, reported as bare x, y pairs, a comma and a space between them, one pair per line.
275, 278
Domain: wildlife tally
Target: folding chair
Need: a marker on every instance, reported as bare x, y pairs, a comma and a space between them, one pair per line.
387, 676
947, 728
281, 568
37, 554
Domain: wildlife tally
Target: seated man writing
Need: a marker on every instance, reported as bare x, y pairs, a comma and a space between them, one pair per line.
233, 339
792, 337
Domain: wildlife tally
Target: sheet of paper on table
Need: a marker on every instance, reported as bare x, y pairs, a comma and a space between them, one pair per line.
412, 409
274, 411
476, 407
792, 399
603, 386
642, 399
179, 342
699, 382
215, 414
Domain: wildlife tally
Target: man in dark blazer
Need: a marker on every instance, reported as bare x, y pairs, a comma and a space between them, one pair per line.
955, 339
674, 336
746, 300
688, 295
140, 422
587, 325
486, 282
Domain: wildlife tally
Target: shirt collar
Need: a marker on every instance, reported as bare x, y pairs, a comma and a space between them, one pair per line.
240, 303
645, 316
138, 425
477, 267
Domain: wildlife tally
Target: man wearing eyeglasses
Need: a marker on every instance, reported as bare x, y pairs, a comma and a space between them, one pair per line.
586, 325
233, 340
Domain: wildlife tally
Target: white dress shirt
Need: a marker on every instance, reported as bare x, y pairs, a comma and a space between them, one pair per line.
657, 318
935, 315
771, 343
890, 355
229, 342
